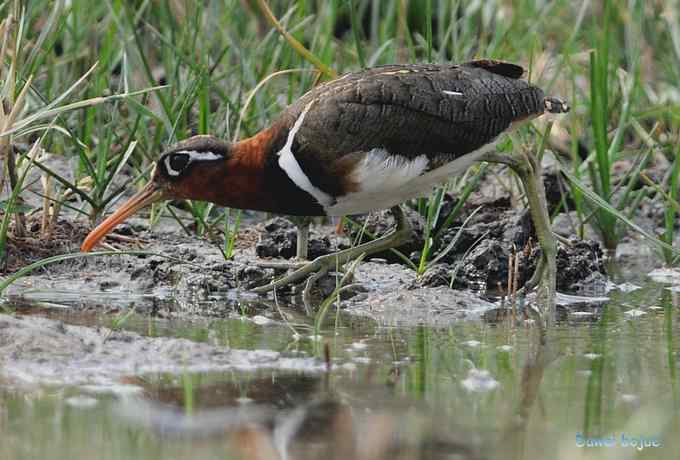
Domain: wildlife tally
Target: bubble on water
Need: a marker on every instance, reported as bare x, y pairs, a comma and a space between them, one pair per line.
630, 398
665, 275
479, 381
82, 402
634, 313
261, 320
349, 366
627, 287
581, 314
120, 390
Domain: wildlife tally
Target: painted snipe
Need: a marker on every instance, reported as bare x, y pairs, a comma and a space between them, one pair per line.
366, 141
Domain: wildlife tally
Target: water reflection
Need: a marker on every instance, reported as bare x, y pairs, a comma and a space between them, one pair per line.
300, 417
472, 390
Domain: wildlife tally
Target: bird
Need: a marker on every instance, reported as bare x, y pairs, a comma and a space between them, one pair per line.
365, 141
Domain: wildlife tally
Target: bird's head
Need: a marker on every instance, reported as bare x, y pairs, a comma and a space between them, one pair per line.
183, 171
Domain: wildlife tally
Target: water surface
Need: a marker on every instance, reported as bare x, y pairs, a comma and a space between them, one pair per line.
589, 388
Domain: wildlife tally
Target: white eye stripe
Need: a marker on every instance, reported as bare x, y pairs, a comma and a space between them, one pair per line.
194, 155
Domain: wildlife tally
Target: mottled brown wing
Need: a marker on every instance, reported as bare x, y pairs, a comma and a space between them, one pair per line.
440, 111
412, 110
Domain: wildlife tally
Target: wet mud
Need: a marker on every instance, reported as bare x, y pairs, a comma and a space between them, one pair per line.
36, 241
184, 277
39, 350
193, 321
474, 254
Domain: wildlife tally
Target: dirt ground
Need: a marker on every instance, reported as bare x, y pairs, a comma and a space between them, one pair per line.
193, 269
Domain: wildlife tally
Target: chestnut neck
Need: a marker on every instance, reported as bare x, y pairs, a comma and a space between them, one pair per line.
251, 178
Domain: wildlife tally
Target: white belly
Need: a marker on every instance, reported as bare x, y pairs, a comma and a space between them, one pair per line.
382, 180
385, 181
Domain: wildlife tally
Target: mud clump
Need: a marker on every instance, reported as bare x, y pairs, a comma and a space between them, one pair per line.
203, 280
279, 240
480, 251
580, 267
487, 266
495, 220
32, 245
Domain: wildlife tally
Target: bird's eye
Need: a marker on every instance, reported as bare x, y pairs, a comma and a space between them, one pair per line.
175, 163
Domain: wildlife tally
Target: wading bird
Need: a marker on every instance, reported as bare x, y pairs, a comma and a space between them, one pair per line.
366, 141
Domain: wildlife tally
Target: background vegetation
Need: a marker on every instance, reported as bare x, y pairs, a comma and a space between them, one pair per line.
92, 92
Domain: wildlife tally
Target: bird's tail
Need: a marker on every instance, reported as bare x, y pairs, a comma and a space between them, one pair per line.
555, 105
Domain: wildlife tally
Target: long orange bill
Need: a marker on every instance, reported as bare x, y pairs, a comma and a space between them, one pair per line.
149, 194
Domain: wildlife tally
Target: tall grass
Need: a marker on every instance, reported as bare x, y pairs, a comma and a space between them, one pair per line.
113, 83
607, 150
673, 209
26, 113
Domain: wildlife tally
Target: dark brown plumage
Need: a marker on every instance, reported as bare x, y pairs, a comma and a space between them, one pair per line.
441, 111
410, 109
367, 140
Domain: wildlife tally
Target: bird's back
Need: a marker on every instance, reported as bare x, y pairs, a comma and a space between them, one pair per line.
416, 109
372, 138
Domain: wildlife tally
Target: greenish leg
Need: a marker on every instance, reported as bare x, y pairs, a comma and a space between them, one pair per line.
302, 223
545, 277
400, 235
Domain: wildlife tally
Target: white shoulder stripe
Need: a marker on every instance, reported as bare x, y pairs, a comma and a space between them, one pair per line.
290, 165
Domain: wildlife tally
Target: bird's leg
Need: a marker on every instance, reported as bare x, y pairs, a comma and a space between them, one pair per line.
302, 223
400, 235
538, 207
529, 172
307, 291
535, 278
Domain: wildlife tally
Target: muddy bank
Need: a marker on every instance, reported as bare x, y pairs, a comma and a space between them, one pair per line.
36, 242
185, 275
37, 350
275, 403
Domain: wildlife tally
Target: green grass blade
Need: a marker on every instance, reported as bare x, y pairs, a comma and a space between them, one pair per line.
14, 196
605, 206
356, 33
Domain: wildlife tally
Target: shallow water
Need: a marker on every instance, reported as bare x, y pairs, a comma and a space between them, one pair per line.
358, 389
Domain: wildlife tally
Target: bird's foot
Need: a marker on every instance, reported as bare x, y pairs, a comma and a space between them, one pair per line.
320, 266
